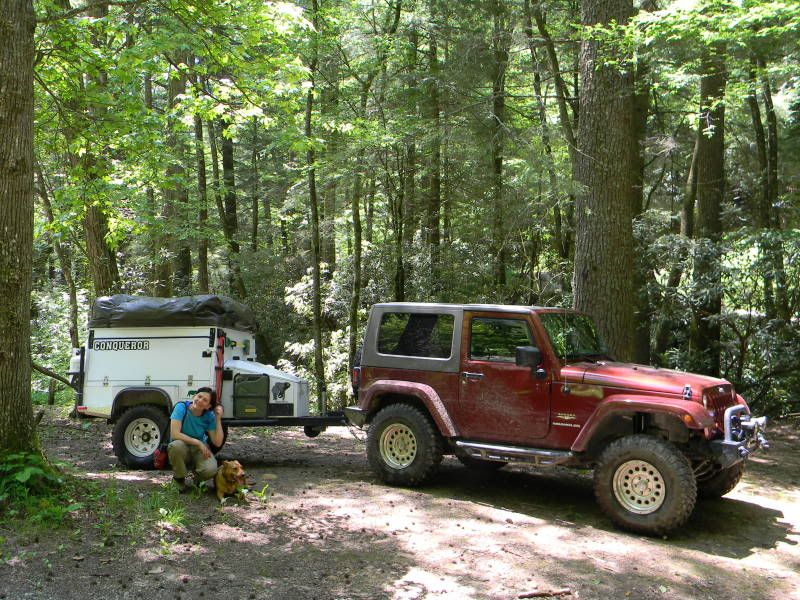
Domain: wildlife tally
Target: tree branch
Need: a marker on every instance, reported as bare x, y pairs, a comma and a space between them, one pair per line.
87, 7
50, 374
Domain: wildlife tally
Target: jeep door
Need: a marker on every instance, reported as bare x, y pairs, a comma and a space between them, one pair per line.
498, 400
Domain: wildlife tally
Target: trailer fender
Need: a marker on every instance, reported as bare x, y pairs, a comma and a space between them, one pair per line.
380, 389
135, 396
691, 414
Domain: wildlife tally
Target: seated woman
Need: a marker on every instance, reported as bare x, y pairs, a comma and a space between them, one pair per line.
191, 426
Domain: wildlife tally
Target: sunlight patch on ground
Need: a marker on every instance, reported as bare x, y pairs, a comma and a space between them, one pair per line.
139, 476
419, 583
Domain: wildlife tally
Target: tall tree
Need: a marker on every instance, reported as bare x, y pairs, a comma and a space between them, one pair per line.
313, 200
17, 24
705, 332
604, 234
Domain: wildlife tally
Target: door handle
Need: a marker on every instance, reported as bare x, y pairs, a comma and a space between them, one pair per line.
467, 375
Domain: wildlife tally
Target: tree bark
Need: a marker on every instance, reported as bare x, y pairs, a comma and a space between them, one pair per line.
707, 280
176, 195
501, 40
434, 204
662, 333
561, 240
319, 366
226, 207
17, 24
202, 194
254, 189
604, 236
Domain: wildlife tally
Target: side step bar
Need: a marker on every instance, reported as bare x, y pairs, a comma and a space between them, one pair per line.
534, 456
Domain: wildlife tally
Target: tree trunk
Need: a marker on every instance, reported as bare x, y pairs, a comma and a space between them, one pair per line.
642, 274
254, 189
604, 236
662, 332
202, 195
160, 269
176, 195
434, 204
707, 281
17, 23
761, 209
328, 233
226, 207
501, 39
776, 248
319, 366
355, 298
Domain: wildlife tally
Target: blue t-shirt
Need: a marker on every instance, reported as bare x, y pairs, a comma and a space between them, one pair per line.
195, 427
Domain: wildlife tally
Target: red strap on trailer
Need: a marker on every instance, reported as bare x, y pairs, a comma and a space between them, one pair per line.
220, 363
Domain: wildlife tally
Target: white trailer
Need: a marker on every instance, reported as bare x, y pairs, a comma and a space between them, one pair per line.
143, 355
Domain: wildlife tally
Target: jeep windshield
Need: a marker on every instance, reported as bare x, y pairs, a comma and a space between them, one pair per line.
574, 336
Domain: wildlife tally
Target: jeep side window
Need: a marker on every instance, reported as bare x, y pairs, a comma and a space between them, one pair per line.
415, 334
497, 339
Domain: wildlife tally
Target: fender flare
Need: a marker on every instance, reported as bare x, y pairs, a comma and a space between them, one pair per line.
691, 414
155, 393
424, 393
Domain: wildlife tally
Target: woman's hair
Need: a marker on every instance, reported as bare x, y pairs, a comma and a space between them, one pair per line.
211, 393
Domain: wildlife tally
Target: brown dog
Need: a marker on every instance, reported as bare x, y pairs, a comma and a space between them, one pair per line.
229, 479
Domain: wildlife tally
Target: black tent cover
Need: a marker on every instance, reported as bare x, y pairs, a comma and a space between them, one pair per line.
122, 310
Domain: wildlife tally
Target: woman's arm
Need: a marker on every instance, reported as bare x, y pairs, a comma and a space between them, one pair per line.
216, 435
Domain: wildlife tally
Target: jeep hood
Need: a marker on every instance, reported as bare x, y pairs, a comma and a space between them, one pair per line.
630, 376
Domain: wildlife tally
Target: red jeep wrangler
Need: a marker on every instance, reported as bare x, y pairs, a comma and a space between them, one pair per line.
501, 384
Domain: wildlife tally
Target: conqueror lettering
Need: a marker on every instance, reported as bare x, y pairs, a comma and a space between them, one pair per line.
122, 345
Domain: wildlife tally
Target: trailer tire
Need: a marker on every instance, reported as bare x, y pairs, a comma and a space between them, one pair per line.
138, 433
403, 445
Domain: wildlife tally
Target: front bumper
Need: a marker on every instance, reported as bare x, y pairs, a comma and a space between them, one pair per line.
744, 435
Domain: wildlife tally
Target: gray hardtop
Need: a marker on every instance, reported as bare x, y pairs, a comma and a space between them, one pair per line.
371, 357
434, 306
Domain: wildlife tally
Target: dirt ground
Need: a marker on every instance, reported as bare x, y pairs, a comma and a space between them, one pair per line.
326, 528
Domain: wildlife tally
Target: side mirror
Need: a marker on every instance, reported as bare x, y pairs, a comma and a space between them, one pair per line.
528, 356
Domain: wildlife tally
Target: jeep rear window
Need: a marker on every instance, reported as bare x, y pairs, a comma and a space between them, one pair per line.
414, 334
497, 339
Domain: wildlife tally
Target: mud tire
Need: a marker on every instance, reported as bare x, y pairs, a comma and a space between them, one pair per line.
137, 434
666, 472
403, 445
722, 482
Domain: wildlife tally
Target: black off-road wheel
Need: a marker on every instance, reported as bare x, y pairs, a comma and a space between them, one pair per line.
403, 445
720, 483
645, 484
479, 464
137, 434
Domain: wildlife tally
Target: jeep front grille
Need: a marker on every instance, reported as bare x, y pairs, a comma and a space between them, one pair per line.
717, 398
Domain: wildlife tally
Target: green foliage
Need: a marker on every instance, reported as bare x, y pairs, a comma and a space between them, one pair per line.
30, 488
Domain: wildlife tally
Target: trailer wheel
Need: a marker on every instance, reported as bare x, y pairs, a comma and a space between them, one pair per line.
137, 434
215, 449
403, 445
645, 484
